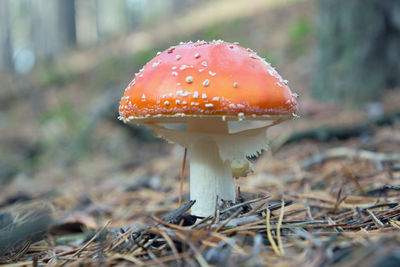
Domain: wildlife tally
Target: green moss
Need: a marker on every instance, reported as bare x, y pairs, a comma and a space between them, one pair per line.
114, 69
227, 31
51, 75
300, 29
270, 57
143, 57
299, 32
213, 32
63, 111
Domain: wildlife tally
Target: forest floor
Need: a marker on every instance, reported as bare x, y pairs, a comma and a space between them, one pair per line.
80, 188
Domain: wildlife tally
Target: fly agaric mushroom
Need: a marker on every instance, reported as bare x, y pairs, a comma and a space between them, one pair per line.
205, 86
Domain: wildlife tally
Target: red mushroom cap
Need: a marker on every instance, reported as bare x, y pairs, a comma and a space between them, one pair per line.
207, 78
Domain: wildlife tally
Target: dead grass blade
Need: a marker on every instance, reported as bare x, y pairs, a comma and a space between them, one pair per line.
349, 174
269, 234
278, 229
182, 177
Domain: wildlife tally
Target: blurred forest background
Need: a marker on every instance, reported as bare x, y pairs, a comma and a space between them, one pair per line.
64, 65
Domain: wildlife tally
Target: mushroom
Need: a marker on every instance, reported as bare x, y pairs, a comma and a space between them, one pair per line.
191, 94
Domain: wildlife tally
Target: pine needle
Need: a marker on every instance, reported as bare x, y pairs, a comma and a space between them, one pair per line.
171, 245
395, 223
377, 222
92, 239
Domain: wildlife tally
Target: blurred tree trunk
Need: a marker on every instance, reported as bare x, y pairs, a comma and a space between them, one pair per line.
66, 11
359, 49
97, 8
132, 14
44, 30
6, 63
53, 27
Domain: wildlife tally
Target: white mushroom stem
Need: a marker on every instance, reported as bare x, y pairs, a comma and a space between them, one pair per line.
210, 178
212, 150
